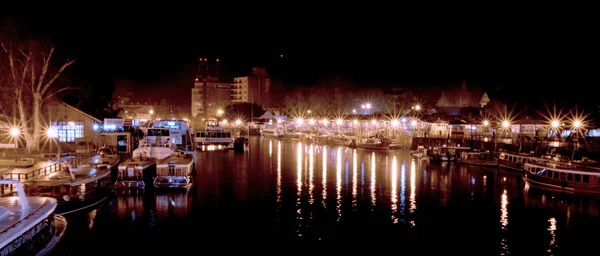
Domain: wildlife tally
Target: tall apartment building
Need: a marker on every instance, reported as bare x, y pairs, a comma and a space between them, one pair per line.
209, 93
208, 96
255, 88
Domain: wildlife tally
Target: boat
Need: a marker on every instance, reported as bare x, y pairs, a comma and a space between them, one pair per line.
105, 156
135, 172
514, 161
421, 153
484, 158
371, 143
446, 153
28, 225
562, 177
271, 132
76, 188
175, 171
213, 134
142, 166
339, 140
180, 132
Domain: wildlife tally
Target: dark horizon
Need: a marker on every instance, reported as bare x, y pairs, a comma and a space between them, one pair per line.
539, 64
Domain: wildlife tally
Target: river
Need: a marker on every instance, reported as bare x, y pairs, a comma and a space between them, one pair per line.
295, 196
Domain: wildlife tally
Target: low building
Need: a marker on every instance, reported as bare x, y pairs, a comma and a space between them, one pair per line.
69, 123
452, 101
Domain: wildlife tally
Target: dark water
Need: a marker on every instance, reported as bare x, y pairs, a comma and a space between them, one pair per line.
284, 197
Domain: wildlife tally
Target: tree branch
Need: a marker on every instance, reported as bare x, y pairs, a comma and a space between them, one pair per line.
64, 66
44, 70
61, 90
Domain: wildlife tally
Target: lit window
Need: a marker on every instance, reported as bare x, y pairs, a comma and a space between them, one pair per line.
68, 131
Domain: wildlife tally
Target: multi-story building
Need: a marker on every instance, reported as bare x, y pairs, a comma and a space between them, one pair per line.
256, 88
208, 96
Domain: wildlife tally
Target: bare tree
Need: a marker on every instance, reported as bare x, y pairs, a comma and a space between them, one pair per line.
28, 72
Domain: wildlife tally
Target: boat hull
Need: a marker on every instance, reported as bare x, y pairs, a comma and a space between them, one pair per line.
172, 182
60, 226
135, 176
82, 203
488, 163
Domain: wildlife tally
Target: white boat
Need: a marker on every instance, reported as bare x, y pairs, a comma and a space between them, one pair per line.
213, 134
175, 171
75, 188
339, 140
105, 156
484, 158
141, 167
514, 161
419, 152
180, 132
272, 132
562, 177
135, 172
28, 225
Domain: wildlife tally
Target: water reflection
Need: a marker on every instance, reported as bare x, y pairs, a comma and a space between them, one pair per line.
412, 199
311, 167
552, 230
300, 152
354, 177
324, 178
278, 172
456, 203
402, 189
394, 195
91, 218
504, 222
338, 176
373, 180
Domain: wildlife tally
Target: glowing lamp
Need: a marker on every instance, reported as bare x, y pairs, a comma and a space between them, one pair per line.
395, 123
413, 122
554, 123
14, 132
486, 123
505, 124
577, 124
300, 121
339, 121
418, 107
311, 121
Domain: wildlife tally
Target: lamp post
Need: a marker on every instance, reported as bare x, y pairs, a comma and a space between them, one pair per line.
52, 133
14, 132
576, 126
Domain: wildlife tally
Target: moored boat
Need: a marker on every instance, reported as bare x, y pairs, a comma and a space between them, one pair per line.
271, 132
105, 156
478, 158
562, 177
135, 172
28, 225
513, 161
213, 134
175, 171
75, 188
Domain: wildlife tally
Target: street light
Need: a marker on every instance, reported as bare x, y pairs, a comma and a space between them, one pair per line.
554, 124
418, 107
505, 124
52, 133
219, 112
14, 132
151, 111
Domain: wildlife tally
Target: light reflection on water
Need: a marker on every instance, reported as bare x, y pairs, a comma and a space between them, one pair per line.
453, 205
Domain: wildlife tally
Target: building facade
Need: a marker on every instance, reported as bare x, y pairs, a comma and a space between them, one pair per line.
258, 88
69, 123
208, 96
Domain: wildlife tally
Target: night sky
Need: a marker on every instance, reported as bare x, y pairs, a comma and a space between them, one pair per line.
541, 58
